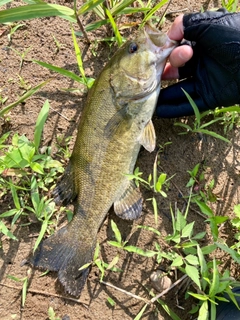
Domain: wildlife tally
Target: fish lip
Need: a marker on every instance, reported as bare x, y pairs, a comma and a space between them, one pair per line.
158, 39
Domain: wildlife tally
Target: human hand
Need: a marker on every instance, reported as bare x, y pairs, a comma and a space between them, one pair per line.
211, 64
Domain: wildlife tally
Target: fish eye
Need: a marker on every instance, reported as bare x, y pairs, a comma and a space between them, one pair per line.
132, 47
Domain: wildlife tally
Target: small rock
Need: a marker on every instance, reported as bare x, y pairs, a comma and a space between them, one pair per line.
160, 280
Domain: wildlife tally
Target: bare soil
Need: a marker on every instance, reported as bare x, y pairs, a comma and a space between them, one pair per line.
220, 161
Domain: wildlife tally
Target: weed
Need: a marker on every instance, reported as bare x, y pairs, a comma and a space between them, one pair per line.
24, 172
13, 29
197, 126
24, 282
155, 182
52, 315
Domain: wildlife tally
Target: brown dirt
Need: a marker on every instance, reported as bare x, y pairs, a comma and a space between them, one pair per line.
220, 159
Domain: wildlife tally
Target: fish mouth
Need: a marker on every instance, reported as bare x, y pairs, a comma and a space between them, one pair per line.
159, 39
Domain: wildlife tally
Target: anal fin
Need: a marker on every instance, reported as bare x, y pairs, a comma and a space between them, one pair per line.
129, 205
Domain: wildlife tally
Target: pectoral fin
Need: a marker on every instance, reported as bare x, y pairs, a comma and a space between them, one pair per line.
120, 123
148, 137
129, 206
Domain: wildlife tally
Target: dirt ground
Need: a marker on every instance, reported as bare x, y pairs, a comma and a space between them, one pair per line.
221, 161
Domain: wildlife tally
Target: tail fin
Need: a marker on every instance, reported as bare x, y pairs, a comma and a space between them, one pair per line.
64, 253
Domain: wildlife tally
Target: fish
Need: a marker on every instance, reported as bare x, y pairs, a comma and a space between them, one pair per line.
115, 123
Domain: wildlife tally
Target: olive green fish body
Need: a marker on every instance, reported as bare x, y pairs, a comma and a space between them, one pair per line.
115, 122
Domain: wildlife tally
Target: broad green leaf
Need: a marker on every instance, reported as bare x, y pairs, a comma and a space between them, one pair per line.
199, 235
41, 119
204, 208
160, 182
177, 262
193, 274
209, 249
192, 259
181, 221
187, 230
203, 313
33, 11
36, 167
194, 171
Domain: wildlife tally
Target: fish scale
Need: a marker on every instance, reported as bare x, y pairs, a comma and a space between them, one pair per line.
115, 122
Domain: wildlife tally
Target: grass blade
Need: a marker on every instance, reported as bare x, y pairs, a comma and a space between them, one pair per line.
27, 95
194, 106
152, 11
78, 57
33, 11
114, 26
139, 315
61, 71
214, 134
89, 5
40, 124
119, 8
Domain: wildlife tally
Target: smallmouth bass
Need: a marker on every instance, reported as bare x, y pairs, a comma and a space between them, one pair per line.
115, 122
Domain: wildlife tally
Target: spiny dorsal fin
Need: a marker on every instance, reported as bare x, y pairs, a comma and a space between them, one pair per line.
148, 137
129, 206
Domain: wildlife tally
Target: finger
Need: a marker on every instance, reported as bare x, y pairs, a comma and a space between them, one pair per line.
170, 73
180, 56
176, 30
